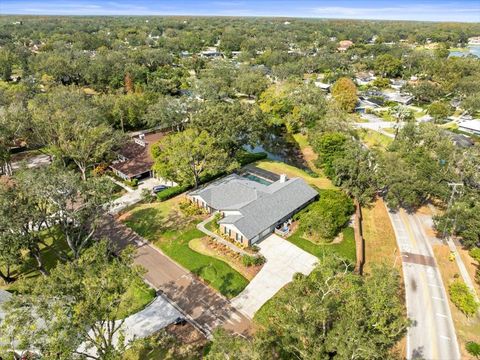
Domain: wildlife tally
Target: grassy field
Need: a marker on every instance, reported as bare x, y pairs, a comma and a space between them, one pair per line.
380, 241
467, 329
291, 171
374, 139
167, 228
345, 249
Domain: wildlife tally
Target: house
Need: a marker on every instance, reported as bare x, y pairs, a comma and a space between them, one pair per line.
470, 126
322, 85
211, 52
253, 207
403, 99
397, 83
134, 158
461, 141
364, 78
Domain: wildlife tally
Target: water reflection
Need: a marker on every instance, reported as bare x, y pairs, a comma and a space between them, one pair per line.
280, 146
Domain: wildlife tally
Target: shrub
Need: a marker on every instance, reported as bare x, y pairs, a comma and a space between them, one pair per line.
245, 157
475, 254
190, 209
100, 170
327, 216
132, 183
147, 196
171, 192
248, 260
473, 349
462, 298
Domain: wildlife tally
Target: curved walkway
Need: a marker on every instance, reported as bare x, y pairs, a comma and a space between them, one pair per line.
202, 228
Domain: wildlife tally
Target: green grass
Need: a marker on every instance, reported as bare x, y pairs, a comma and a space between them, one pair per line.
291, 171
137, 297
171, 232
373, 138
345, 249
28, 270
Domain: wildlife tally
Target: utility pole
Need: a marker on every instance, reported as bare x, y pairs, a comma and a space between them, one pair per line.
454, 187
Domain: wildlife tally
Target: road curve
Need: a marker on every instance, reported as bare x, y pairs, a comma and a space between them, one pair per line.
432, 334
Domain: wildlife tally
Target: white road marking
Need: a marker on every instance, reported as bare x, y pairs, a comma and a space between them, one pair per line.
445, 337
437, 298
433, 285
441, 315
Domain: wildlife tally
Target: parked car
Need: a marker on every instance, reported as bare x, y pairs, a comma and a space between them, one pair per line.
180, 321
158, 188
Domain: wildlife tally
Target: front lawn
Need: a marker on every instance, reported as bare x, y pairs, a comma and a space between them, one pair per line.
167, 228
344, 249
373, 138
137, 297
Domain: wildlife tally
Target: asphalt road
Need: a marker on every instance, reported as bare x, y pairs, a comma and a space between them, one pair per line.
432, 334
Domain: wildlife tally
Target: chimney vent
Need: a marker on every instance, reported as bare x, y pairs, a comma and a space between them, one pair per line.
283, 178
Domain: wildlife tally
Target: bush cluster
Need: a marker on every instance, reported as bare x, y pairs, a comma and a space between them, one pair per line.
462, 298
248, 260
171, 192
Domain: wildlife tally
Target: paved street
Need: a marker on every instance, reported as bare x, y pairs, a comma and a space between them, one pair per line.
432, 334
283, 260
198, 301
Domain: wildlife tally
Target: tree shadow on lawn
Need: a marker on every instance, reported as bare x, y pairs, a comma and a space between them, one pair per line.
151, 222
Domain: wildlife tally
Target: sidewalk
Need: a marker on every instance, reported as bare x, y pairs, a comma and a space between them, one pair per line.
233, 247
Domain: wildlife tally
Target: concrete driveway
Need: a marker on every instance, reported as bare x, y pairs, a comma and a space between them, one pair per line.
133, 196
283, 260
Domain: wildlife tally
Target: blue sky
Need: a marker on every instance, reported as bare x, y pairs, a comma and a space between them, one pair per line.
440, 10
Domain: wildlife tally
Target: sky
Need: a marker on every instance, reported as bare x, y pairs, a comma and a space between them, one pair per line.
428, 10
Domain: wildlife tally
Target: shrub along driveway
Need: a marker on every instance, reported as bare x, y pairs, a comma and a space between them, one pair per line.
283, 260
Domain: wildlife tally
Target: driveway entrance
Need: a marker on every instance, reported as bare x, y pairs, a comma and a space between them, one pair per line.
283, 260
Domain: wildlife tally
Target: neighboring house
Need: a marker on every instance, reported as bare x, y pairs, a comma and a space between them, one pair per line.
470, 126
397, 83
403, 99
252, 208
364, 105
322, 85
460, 140
134, 158
364, 78
211, 52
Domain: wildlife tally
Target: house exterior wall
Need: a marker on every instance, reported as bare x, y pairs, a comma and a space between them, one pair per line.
200, 203
233, 233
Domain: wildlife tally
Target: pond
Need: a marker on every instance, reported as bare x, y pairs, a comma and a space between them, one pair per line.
469, 50
280, 146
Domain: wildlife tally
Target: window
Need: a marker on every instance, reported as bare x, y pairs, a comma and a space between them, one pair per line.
236, 237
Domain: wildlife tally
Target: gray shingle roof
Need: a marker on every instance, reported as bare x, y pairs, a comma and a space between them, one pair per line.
230, 192
260, 206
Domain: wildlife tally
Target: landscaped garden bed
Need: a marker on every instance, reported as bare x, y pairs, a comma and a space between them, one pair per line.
210, 247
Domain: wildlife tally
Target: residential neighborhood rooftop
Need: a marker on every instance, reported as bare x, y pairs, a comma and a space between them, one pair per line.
254, 206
